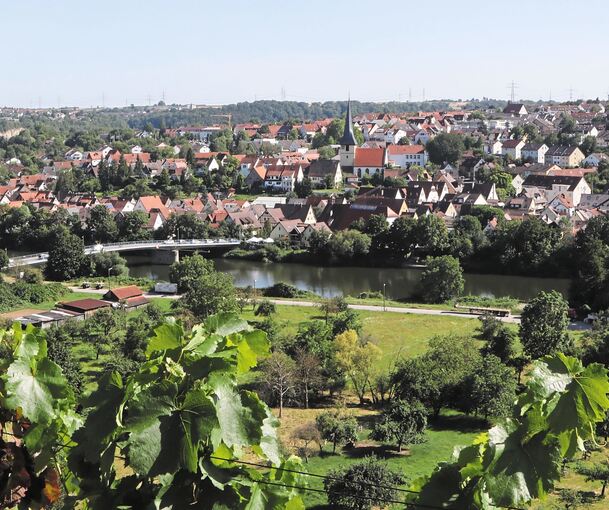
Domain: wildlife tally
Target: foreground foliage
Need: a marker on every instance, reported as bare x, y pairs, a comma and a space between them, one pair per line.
165, 437
519, 459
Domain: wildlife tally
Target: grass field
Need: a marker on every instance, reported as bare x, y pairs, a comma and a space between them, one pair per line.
397, 334
450, 430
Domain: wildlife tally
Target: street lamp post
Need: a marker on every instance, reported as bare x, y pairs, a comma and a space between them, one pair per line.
110, 277
254, 300
384, 288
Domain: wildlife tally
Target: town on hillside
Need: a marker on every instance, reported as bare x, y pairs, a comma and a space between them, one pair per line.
285, 180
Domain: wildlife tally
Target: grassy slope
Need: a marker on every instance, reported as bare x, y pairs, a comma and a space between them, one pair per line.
441, 438
396, 333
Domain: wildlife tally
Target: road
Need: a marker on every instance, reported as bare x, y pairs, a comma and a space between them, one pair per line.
512, 319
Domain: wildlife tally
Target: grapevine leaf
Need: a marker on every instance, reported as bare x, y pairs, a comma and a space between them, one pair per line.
225, 324
520, 471
101, 423
583, 403
30, 345
167, 336
34, 386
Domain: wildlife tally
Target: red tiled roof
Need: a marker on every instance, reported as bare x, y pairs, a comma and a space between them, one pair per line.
121, 293
404, 149
369, 157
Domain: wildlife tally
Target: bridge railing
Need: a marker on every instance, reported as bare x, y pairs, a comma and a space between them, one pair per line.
92, 248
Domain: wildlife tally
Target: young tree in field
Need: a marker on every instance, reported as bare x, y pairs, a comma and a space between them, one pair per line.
210, 294
362, 486
104, 328
337, 427
596, 473
279, 375
266, 308
442, 279
66, 256
492, 388
4, 260
308, 373
543, 326
306, 435
358, 359
333, 305
402, 423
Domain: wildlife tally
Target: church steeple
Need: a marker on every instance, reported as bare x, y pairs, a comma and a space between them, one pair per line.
348, 137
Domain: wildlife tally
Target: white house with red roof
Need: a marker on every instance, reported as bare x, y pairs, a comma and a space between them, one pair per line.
369, 161
404, 156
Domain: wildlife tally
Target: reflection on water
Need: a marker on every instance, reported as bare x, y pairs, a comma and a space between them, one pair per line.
332, 281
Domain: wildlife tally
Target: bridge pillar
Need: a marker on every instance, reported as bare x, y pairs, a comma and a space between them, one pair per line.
165, 257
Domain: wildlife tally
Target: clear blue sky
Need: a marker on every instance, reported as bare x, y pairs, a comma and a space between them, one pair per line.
74, 52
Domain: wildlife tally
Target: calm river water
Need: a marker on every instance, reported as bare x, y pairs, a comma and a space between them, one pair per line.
332, 281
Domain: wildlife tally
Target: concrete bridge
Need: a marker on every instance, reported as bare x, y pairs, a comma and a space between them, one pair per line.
168, 250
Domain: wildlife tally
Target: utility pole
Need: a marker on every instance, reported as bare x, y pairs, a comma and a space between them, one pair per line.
512, 86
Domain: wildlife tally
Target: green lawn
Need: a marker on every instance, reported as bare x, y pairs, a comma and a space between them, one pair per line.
450, 430
397, 334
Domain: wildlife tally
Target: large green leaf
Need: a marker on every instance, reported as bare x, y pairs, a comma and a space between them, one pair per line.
166, 337
225, 324
519, 471
34, 386
582, 403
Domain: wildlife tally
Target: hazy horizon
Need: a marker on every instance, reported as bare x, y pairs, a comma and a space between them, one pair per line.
69, 53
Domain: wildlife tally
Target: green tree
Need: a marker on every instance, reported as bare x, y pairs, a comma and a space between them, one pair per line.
4, 260
304, 188
543, 324
437, 377
66, 255
133, 227
266, 308
492, 388
445, 148
337, 427
101, 226
357, 358
431, 234
364, 485
188, 270
348, 244
402, 423
441, 280
210, 294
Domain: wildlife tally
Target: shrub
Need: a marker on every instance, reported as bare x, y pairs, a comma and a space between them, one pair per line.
363, 485
283, 290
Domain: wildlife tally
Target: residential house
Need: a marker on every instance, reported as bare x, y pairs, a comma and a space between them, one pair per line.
404, 156
512, 148
515, 110
595, 158
283, 178
321, 171
572, 186
535, 152
130, 297
565, 155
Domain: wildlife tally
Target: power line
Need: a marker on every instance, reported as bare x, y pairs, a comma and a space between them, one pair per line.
332, 478
512, 86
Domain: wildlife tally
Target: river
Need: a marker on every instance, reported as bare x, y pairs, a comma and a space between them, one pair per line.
333, 281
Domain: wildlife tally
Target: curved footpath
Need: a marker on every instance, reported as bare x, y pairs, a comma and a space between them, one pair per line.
512, 319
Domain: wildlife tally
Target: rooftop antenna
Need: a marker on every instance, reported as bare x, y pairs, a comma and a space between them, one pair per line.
512, 86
